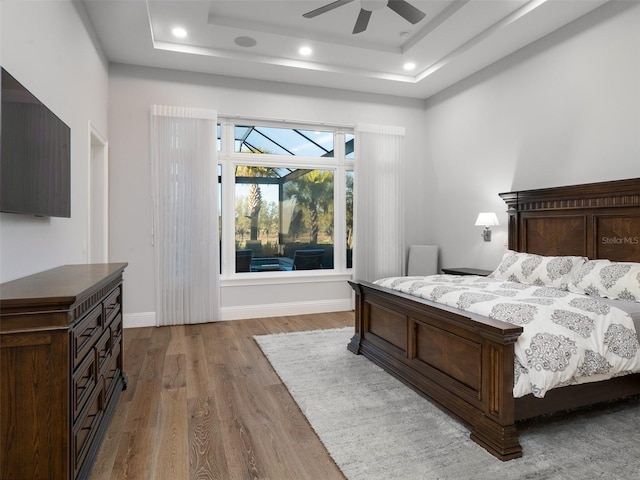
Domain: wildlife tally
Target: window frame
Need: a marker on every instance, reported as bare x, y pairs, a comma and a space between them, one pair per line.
229, 160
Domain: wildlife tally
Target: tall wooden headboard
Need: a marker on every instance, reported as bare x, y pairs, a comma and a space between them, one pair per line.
595, 220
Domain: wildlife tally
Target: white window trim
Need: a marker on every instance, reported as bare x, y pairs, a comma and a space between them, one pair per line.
229, 160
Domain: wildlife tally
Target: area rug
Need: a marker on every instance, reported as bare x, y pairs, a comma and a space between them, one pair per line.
374, 427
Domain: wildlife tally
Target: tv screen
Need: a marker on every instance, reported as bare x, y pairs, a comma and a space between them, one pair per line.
35, 159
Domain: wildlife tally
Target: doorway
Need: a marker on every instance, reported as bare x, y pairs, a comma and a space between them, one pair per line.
98, 251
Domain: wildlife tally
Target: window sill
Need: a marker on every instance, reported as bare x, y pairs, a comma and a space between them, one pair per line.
284, 278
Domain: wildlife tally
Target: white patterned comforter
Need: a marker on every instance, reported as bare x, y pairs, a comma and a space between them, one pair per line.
567, 338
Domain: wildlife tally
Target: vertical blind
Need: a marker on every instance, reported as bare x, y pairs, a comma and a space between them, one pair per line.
378, 202
185, 215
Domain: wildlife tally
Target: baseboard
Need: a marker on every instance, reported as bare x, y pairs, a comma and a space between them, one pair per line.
283, 309
136, 320
148, 319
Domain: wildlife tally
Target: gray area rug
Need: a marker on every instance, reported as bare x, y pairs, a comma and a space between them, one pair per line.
375, 427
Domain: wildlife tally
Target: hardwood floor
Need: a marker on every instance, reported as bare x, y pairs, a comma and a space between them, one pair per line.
204, 403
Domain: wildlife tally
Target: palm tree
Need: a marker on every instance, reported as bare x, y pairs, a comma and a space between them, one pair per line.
314, 190
349, 210
254, 200
255, 204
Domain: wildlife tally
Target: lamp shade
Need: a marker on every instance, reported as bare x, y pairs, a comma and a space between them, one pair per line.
487, 219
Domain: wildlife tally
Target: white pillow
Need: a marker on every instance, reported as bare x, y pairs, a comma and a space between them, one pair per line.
537, 269
604, 278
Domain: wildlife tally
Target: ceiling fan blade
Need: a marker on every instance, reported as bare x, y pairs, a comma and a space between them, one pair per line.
326, 8
362, 21
407, 11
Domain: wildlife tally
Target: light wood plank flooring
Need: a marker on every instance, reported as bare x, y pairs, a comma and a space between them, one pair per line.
204, 403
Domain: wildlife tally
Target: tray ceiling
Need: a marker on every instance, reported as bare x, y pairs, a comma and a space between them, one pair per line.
261, 39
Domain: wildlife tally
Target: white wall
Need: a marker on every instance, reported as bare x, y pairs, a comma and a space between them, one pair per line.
47, 48
134, 89
565, 110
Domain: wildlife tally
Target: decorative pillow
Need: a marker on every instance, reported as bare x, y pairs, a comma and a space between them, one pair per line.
537, 269
604, 278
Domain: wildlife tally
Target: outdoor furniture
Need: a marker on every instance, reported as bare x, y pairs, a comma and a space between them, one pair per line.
304, 259
308, 259
243, 260
271, 264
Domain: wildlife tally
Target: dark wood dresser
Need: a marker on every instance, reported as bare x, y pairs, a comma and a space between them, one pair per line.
61, 369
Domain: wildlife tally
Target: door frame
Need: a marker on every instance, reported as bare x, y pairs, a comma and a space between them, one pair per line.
98, 171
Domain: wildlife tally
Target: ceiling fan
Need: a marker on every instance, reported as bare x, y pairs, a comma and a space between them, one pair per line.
407, 11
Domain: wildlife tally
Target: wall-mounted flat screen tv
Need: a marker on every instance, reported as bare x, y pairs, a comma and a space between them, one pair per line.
35, 155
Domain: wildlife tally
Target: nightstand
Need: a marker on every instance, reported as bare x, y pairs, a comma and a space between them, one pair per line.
466, 271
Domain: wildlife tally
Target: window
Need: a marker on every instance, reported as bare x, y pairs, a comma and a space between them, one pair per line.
283, 141
349, 219
285, 208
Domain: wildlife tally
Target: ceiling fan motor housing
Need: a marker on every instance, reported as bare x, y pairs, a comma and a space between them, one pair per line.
373, 5
407, 11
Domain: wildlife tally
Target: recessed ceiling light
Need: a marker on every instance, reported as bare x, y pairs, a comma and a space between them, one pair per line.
306, 51
246, 42
179, 32
409, 66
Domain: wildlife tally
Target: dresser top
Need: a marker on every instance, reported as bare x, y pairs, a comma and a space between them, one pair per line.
62, 286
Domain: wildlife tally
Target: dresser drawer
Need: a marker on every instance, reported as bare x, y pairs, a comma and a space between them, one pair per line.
85, 429
112, 305
103, 348
116, 330
110, 372
85, 333
84, 383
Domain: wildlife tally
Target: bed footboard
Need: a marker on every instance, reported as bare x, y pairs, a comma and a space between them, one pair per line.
464, 363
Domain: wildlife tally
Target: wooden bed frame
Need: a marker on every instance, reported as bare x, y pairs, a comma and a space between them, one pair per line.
464, 362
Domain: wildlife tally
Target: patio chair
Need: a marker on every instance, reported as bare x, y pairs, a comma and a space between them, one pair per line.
243, 260
308, 259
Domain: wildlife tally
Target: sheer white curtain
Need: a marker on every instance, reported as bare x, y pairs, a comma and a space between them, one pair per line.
185, 214
378, 202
